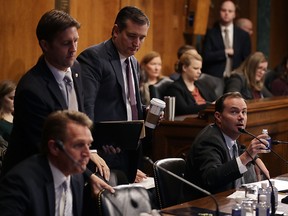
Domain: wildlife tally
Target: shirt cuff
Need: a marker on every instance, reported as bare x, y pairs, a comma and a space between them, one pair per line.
93, 151
242, 168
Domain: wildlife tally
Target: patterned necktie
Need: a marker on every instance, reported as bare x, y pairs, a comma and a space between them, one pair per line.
65, 208
131, 92
71, 98
227, 44
235, 155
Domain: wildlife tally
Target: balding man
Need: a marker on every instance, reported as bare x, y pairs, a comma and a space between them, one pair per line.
245, 24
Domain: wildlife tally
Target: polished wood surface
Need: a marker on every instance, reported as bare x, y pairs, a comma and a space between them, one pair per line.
173, 139
225, 204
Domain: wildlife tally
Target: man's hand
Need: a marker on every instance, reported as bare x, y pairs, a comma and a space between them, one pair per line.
101, 166
109, 149
263, 169
255, 147
98, 184
140, 176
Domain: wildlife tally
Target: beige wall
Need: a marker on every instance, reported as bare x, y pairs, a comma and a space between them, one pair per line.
18, 19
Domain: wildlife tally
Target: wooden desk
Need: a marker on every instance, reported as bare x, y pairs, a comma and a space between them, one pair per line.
174, 138
225, 204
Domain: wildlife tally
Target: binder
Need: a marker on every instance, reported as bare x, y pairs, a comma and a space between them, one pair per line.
122, 134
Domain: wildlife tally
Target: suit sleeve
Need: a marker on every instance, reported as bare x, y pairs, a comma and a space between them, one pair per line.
215, 170
92, 74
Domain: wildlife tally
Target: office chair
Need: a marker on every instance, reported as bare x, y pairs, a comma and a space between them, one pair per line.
217, 84
158, 90
127, 200
169, 190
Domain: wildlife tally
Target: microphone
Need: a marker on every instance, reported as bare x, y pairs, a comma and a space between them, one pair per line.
273, 208
276, 142
61, 146
186, 182
241, 130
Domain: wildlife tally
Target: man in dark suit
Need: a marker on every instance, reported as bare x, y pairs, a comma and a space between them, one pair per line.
106, 85
220, 57
35, 185
41, 90
216, 162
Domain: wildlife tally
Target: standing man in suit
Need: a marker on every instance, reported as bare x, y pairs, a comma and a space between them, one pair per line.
42, 89
216, 161
106, 84
225, 45
35, 186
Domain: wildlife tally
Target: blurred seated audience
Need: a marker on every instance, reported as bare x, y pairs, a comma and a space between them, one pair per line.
245, 24
151, 66
191, 95
248, 79
279, 86
7, 93
181, 50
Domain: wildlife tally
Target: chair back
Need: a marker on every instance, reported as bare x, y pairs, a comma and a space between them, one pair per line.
215, 83
127, 200
158, 90
168, 188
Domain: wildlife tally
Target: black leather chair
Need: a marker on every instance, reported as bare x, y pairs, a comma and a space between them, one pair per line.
169, 190
158, 90
215, 83
127, 200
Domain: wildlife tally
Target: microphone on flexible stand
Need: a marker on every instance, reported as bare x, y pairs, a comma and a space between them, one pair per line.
273, 208
61, 146
276, 142
186, 182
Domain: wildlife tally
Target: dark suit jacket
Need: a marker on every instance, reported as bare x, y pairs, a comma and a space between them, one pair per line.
105, 98
37, 95
209, 164
184, 101
28, 189
214, 58
237, 82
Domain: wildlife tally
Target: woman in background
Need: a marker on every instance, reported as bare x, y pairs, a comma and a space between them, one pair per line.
191, 95
248, 79
7, 93
151, 66
279, 86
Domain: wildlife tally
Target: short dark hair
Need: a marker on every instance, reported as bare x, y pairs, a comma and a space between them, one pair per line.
130, 13
55, 126
219, 105
53, 22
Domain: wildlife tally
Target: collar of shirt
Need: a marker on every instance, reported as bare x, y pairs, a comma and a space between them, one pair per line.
229, 143
58, 176
58, 74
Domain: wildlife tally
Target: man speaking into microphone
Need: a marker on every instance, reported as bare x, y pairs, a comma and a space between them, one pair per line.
216, 162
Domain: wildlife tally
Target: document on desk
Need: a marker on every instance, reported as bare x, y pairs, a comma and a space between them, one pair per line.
147, 183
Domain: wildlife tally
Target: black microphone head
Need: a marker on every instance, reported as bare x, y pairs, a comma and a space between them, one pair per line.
242, 130
59, 144
146, 158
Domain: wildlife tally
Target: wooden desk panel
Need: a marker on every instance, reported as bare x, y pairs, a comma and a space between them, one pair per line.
173, 139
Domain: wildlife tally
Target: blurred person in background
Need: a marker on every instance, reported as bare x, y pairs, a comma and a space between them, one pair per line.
249, 78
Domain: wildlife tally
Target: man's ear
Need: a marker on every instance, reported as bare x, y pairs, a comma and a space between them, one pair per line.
44, 45
115, 30
53, 148
217, 116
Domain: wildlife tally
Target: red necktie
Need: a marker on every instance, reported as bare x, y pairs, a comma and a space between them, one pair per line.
131, 93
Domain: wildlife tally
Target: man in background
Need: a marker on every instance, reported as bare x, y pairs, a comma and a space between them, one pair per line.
245, 24
111, 89
44, 89
225, 46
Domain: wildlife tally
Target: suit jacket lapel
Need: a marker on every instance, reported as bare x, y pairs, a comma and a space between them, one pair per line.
116, 64
52, 84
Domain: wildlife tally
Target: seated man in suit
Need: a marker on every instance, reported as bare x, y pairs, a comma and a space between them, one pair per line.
41, 184
216, 162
